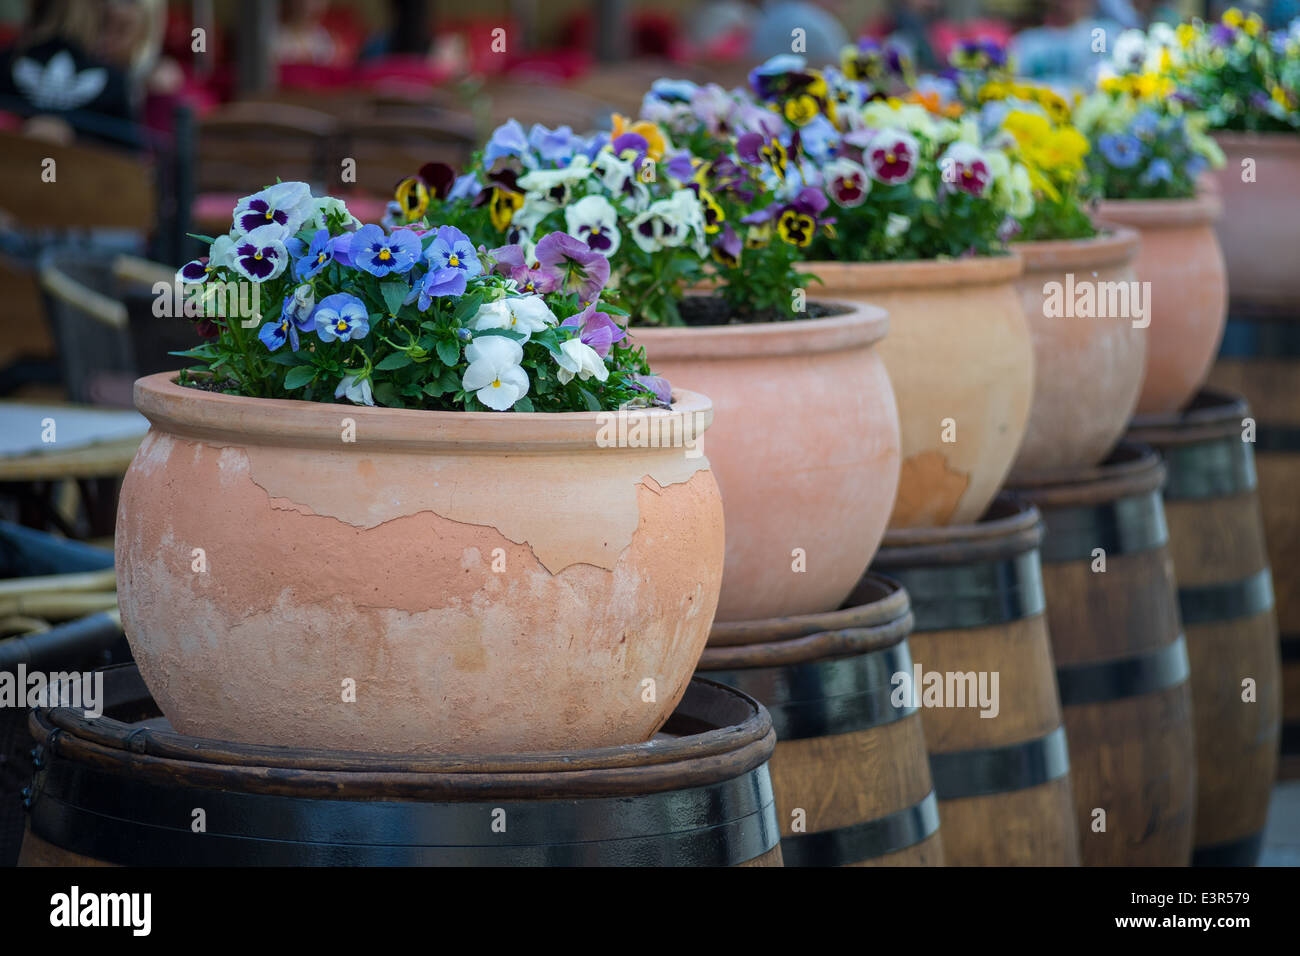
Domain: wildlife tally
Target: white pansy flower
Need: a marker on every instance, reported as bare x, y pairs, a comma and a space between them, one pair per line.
577, 358
355, 390
593, 220
619, 178
551, 189
494, 375
525, 314
323, 207
896, 226
285, 206
1130, 53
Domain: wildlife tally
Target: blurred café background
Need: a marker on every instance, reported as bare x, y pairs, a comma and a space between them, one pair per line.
130, 124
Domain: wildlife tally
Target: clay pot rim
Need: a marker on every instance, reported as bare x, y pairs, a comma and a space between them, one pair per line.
1211, 415
1011, 526
1131, 469
239, 419
858, 326
1276, 142
1114, 247
888, 603
838, 277
1202, 209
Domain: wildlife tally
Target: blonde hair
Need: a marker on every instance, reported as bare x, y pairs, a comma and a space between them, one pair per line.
73, 20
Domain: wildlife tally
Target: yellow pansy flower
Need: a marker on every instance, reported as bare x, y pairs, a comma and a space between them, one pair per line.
656, 144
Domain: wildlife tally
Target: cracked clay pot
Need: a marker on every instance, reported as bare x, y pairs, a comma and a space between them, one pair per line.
961, 362
487, 583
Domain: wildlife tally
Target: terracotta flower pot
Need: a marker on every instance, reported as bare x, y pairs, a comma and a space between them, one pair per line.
1180, 256
960, 359
1259, 228
1088, 368
445, 582
804, 447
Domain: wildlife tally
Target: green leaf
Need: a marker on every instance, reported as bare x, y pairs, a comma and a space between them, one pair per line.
284, 358
386, 394
524, 405
449, 351
299, 376
396, 360
593, 403
394, 293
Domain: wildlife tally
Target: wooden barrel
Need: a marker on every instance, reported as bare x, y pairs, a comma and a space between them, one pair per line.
123, 790
1260, 360
850, 774
1225, 597
1121, 660
1003, 781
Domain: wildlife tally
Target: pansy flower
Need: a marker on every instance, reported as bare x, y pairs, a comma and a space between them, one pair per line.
494, 374
758, 149
513, 262
1122, 150
439, 282
284, 205
355, 387
649, 133
797, 223
434, 180
620, 178
319, 255
341, 316
890, 156
296, 315
503, 198
524, 314
550, 189
507, 140
260, 254
595, 329
727, 248
965, 167
381, 255
661, 393
574, 265
580, 360
452, 249
847, 182
593, 220
197, 271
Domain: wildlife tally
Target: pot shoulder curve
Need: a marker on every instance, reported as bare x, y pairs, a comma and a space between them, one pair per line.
867, 277
1116, 247
858, 326
1202, 209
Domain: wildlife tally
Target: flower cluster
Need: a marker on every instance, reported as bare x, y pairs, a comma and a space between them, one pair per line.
848, 172
413, 318
612, 191
1145, 148
1242, 76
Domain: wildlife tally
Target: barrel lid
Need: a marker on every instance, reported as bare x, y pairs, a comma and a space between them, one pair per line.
1011, 526
716, 733
1212, 414
1132, 469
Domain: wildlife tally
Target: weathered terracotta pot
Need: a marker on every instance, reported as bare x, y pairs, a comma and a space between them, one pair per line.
1180, 256
1088, 370
488, 583
805, 448
961, 362
1260, 226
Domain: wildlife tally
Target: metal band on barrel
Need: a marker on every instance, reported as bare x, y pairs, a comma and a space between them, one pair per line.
1211, 603
821, 698
974, 773
1212, 469
1125, 677
863, 841
979, 594
132, 821
1125, 526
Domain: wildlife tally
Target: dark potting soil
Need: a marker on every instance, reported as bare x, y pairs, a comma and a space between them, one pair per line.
704, 310
224, 387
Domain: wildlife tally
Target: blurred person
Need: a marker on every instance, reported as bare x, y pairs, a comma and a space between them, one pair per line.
303, 36
722, 28
824, 35
908, 24
1061, 52
70, 73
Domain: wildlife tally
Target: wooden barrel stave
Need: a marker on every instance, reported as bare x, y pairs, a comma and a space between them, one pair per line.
1121, 660
1003, 783
1217, 543
1260, 360
700, 796
853, 763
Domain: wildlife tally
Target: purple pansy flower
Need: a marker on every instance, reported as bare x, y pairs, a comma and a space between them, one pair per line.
576, 267
284, 205
381, 255
438, 282
341, 316
661, 392
510, 261
507, 139
452, 249
595, 329
260, 255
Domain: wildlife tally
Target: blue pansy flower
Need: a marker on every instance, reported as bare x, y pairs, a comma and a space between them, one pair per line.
1157, 171
341, 316
452, 249
382, 255
440, 282
673, 91
555, 147
465, 187
1122, 150
319, 254
819, 137
1145, 125
507, 140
